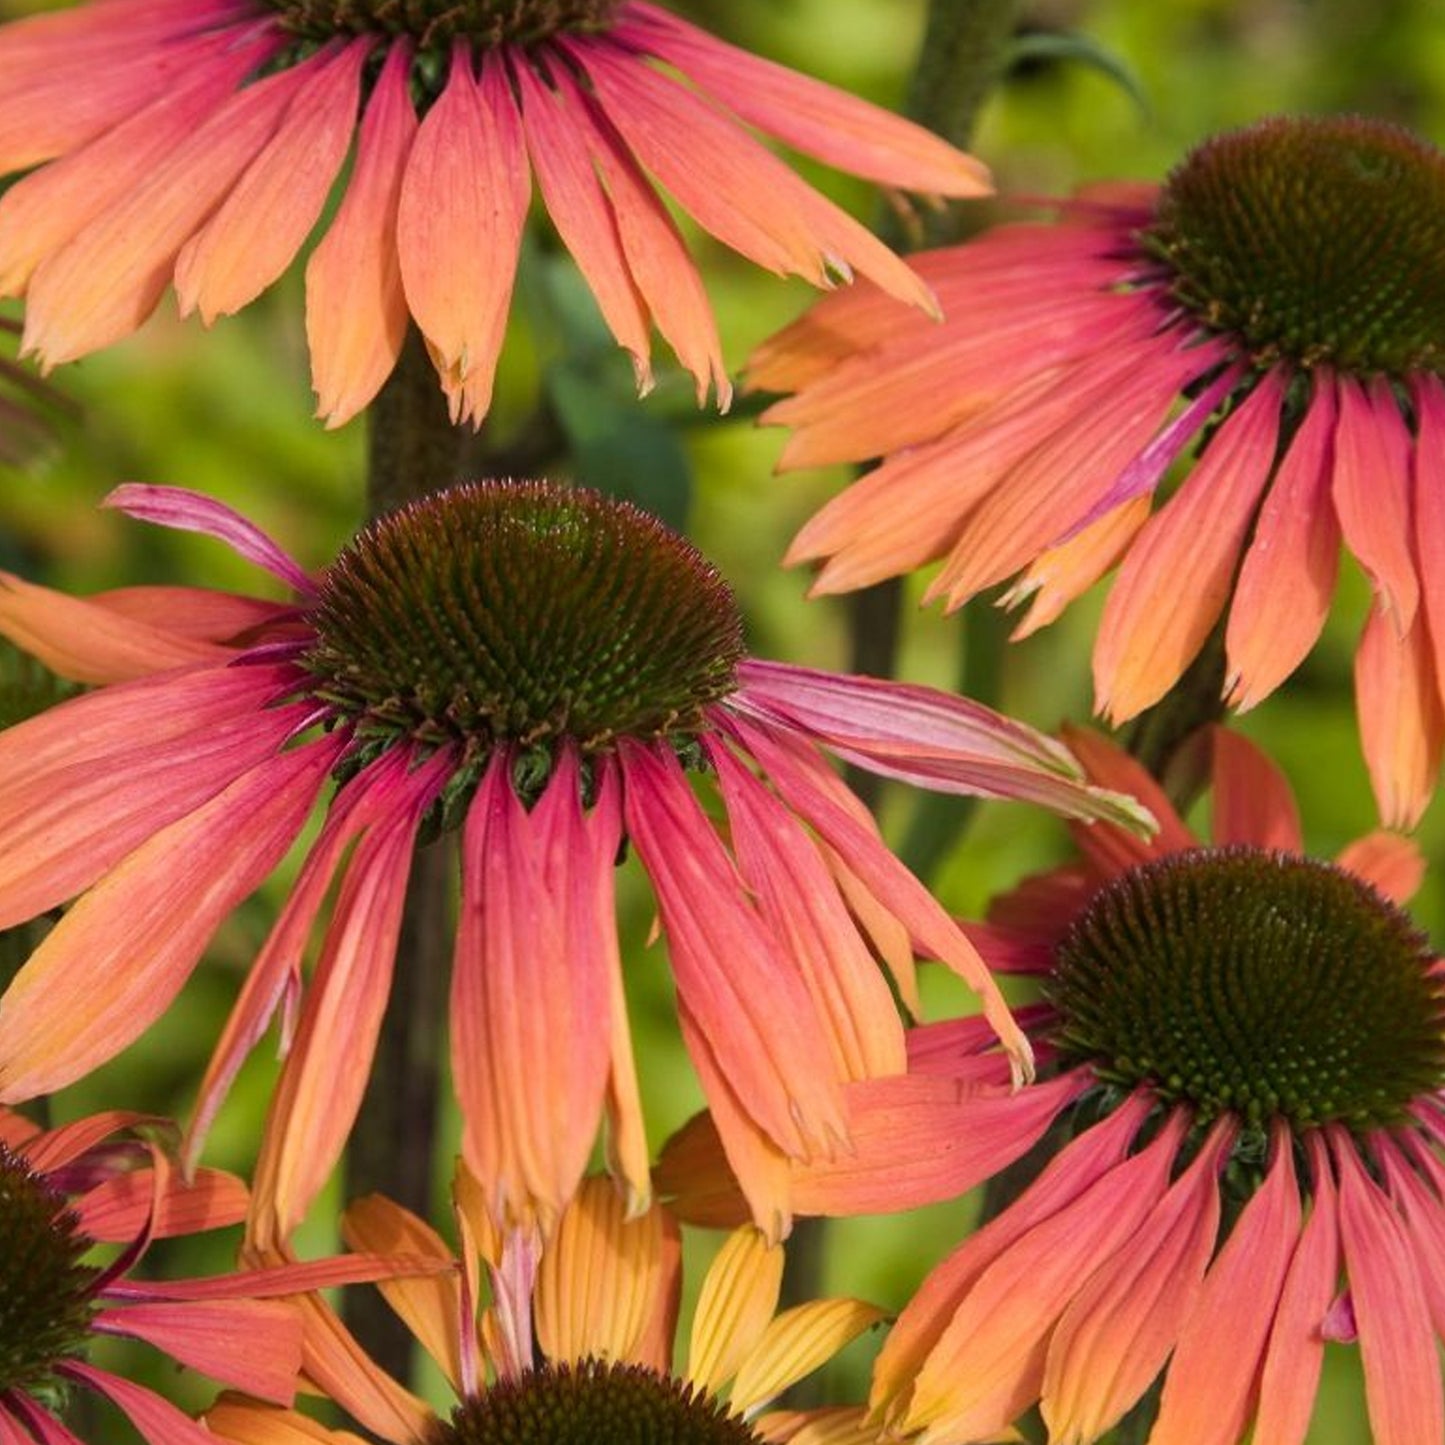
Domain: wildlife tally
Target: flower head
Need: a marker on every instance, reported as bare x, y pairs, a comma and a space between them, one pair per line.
100, 1179
1243, 1060
198, 142
551, 672
576, 1347
1278, 299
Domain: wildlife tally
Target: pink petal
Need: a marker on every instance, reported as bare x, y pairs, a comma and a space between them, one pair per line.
111, 966
1397, 1340
1252, 800
157, 1419
800, 903
1152, 628
118, 1208
1210, 1390
258, 229
1288, 577
356, 313
187, 511
459, 226
531, 987
1429, 501
1390, 863
250, 1345
838, 128
738, 984
321, 1084
105, 282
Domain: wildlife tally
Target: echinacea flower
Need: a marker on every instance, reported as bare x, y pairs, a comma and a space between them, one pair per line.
1279, 297
577, 1345
198, 142
1243, 1059
551, 671
101, 1180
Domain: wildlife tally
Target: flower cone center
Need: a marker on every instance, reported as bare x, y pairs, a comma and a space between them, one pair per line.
486, 23
45, 1308
596, 1402
1312, 240
523, 614
1257, 983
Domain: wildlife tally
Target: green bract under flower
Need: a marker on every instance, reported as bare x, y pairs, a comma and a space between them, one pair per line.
1254, 982
594, 1403
523, 614
45, 1306
1313, 240
437, 22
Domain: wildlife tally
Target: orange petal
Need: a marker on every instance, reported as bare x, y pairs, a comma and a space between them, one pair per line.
1371, 492
459, 225
1152, 627
1402, 729
269, 212
739, 1295
111, 966
1252, 800
1388, 862
356, 314
1429, 501
1288, 577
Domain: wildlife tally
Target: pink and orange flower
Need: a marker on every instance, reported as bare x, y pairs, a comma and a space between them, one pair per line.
198, 143
550, 672
1277, 299
104, 1179
1242, 1060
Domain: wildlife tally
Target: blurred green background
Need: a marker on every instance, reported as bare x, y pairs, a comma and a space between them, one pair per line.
1100, 88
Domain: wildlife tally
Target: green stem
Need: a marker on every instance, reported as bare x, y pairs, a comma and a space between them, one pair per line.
1155, 736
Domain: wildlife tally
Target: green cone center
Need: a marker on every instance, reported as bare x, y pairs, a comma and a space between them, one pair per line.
1312, 240
523, 613
596, 1402
45, 1307
1256, 983
436, 23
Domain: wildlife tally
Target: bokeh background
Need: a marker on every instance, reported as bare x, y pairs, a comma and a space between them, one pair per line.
1095, 88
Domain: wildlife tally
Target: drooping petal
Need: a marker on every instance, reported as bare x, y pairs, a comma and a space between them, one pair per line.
801, 904
116, 1209
1402, 725
1397, 1344
105, 282
251, 1345
1212, 1383
1389, 862
1152, 628
794, 773
111, 966
356, 312
838, 128
1295, 1353
742, 990
44, 210
250, 1423
739, 1296
730, 183
1121, 1326
459, 225
258, 229
321, 1085
531, 986
1429, 506
187, 511
599, 1278
1371, 492
1288, 577
656, 254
